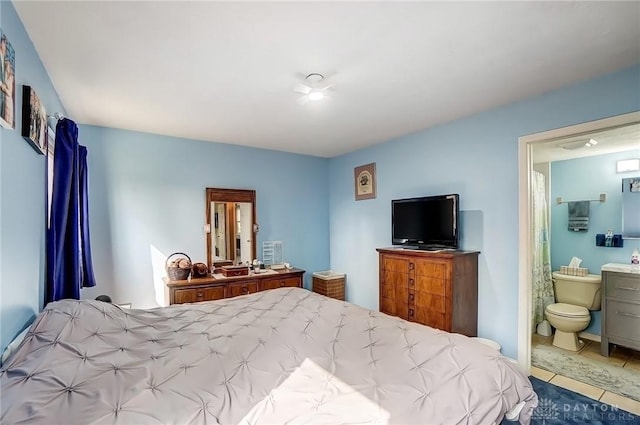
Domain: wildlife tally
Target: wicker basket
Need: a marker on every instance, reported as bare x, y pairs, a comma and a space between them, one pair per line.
177, 273
329, 284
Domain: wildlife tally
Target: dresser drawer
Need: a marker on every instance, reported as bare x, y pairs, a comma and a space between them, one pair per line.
623, 320
430, 318
395, 264
241, 288
431, 285
193, 295
434, 269
281, 282
623, 286
430, 302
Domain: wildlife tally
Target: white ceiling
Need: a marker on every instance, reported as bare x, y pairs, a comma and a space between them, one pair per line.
225, 71
618, 139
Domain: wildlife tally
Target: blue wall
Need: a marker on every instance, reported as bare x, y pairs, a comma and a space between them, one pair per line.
476, 157
147, 194
22, 192
587, 178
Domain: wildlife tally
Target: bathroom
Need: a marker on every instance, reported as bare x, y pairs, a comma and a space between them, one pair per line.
581, 168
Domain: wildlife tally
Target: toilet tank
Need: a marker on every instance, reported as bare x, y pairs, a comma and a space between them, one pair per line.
578, 290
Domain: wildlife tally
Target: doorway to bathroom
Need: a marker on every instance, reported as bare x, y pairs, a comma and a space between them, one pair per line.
570, 163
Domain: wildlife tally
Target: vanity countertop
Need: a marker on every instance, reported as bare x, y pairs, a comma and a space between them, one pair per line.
622, 268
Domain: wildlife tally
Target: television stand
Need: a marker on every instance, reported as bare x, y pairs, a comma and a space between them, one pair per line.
437, 289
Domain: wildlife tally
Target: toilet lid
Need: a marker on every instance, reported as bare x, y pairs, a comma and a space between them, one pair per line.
567, 310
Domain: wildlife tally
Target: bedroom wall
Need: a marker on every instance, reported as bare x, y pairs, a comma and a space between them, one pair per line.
476, 157
147, 201
587, 178
22, 192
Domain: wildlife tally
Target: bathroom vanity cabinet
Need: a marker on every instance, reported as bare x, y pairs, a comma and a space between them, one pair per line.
620, 307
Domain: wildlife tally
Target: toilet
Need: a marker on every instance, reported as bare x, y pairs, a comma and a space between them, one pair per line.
575, 296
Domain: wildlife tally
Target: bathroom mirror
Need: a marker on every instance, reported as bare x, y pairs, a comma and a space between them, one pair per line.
231, 225
631, 208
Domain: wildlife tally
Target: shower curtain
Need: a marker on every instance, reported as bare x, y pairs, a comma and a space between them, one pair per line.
541, 265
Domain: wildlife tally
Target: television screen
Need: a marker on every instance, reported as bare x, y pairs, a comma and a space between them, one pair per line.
428, 222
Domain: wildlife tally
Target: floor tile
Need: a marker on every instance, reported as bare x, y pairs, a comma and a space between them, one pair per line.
577, 386
612, 360
543, 375
586, 343
623, 352
633, 363
539, 339
624, 403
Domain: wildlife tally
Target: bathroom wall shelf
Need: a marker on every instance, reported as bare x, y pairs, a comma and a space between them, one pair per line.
616, 241
602, 198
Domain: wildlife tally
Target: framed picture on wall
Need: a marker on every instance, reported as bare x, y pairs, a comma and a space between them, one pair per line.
34, 120
365, 181
7, 83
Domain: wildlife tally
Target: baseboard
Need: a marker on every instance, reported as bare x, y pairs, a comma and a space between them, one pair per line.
590, 336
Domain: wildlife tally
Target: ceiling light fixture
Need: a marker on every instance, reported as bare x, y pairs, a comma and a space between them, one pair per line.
314, 90
316, 95
314, 78
578, 144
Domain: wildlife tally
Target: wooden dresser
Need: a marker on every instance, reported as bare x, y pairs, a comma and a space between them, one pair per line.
437, 289
216, 287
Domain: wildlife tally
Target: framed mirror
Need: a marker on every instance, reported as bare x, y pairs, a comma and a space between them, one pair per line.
231, 224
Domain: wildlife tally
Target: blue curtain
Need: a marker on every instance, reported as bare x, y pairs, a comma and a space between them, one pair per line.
69, 265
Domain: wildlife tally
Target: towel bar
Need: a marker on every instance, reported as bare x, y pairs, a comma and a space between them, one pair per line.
603, 198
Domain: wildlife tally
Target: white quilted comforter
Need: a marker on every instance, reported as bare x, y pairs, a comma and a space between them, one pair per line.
280, 356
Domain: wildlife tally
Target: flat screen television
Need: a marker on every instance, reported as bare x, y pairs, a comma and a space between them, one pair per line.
430, 222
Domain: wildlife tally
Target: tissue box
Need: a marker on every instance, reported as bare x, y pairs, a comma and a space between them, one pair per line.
574, 271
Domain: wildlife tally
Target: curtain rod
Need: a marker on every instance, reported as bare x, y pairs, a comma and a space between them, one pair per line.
603, 198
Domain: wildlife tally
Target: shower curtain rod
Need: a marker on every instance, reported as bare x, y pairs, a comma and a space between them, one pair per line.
603, 198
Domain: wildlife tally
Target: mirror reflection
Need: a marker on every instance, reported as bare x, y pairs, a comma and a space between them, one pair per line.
631, 208
230, 217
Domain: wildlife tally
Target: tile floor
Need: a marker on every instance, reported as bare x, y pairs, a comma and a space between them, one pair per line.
620, 356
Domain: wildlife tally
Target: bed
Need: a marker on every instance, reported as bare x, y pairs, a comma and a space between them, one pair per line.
280, 356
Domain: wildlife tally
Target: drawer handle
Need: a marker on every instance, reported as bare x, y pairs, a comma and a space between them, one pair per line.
281, 283
244, 289
627, 288
623, 313
200, 294
410, 297
410, 312
411, 266
410, 282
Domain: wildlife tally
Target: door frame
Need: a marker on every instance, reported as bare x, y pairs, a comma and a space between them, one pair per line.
525, 167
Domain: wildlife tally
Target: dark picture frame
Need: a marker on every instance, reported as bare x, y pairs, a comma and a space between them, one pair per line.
34, 120
365, 181
7, 83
